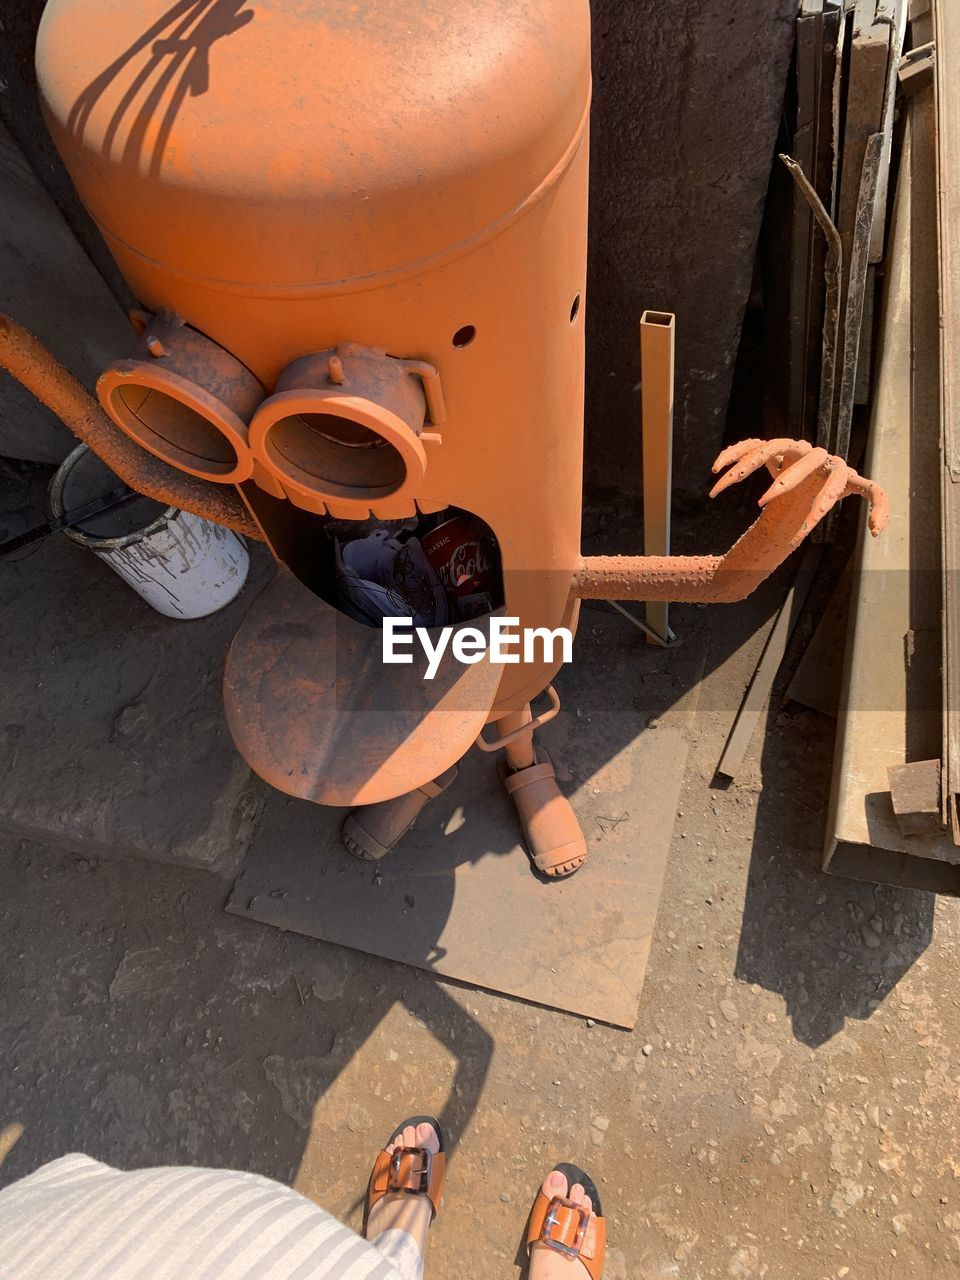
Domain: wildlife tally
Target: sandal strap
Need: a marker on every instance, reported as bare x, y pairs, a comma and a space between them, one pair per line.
563, 1228
523, 777
411, 1169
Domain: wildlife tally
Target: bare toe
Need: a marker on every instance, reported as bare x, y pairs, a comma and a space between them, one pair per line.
555, 1184
579, 1196
426, 1137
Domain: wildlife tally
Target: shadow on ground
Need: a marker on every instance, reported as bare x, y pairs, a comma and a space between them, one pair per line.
833, 948
135, 1040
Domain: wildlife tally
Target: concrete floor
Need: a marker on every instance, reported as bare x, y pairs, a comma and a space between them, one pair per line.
787, 1106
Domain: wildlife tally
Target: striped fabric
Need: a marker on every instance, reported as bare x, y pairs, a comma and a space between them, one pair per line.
77, 1219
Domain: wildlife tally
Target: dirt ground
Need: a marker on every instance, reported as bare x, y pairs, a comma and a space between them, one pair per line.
786, 1107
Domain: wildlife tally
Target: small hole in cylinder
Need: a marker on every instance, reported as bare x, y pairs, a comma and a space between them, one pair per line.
575, 309
463, 337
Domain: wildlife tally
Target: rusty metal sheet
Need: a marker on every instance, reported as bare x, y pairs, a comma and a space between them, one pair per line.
915, 796
458, 897
823, 173
947, 142
889, 714
853, 316
315, 711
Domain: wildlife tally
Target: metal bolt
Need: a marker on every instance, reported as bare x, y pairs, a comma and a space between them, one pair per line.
155, 346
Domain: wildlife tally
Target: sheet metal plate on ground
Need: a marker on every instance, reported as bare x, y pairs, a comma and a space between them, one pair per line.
458, 897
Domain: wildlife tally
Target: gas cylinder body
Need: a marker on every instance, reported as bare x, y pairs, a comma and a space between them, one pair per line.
364, 214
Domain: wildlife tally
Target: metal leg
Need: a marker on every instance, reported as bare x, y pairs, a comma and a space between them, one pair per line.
520, 753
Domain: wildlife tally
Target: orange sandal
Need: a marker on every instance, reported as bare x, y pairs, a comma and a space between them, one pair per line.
549, 825
561, 1225
412, 1170
372, 830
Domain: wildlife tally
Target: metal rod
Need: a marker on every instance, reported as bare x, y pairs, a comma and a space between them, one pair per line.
856, 285
69, 518
833, 274
642, 626
29, 361
657, 356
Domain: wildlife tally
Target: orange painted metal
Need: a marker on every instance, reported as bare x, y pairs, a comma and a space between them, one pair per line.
29, 361
808, 484
316, 713
358, 229
185, 399
343, 431
409, 175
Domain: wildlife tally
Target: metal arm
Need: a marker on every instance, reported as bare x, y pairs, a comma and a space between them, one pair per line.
808, 482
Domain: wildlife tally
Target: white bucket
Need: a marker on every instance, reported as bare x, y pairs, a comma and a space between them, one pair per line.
182, 565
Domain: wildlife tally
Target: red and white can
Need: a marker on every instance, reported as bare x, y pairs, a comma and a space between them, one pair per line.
466, 558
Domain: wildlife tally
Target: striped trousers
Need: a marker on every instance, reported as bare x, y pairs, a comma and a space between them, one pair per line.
77, 1219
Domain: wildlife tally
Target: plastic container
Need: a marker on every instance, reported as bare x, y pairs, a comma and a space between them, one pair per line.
181, 565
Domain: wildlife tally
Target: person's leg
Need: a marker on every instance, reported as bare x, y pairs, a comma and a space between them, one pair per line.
398, 1223
76, 1216
547, 1263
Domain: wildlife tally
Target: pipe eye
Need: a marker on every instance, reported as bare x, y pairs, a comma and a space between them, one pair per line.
185, 400
342, 430
169, 427
339, 452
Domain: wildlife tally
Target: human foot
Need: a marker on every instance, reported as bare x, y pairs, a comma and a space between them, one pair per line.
576, 1258
372, 830
554, 840
395, 1198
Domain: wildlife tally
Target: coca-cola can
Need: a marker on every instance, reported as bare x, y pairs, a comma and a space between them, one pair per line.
466, 558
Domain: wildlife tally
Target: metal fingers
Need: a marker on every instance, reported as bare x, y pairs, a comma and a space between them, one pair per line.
875, 495
792, 463
748, 456
797, 472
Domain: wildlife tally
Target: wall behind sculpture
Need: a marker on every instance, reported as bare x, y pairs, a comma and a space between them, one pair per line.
687, 99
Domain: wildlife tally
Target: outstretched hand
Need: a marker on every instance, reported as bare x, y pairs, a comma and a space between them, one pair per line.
791, 462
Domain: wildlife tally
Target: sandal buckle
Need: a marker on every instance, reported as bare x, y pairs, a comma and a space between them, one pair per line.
398, 1180
551, 1223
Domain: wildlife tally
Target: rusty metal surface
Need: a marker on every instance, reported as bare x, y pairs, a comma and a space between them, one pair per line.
947, 142
854, 315
888, 714
22, 355
657, 361
808, 483
915, 796
457, 898
833, 281
315, 711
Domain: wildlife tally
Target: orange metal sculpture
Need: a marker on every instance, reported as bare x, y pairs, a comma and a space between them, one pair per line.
359, 236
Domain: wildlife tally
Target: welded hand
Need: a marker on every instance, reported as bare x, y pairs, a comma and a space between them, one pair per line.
791, 463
